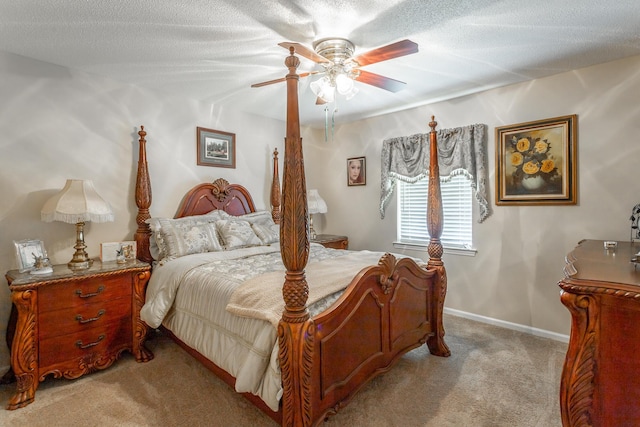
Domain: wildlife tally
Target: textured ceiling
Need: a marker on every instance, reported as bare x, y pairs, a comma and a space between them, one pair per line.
214, 50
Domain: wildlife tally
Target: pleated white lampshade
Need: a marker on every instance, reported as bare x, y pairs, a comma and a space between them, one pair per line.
315, 202
78, 202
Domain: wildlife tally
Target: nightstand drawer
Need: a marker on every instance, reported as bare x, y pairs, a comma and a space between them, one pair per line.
78, 293
72, 320
92, 343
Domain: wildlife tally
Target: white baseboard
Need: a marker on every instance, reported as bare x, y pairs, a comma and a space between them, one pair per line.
509, 325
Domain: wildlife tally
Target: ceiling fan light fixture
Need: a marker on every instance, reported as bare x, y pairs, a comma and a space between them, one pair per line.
323, 88
344, 84
351, 93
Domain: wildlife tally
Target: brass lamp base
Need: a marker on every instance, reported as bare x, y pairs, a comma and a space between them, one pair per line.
80, 260
312, 232
80, 265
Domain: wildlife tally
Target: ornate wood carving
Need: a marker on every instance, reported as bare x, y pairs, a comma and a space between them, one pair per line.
140, 328
204, 198
143, 201
577, 383
24, 354
294, 247
220, 189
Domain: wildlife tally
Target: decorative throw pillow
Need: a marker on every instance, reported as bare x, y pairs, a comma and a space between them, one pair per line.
171, 228
237, 234
253, 217
268, 231
186, 238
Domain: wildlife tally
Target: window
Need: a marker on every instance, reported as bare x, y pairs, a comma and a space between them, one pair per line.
456, 206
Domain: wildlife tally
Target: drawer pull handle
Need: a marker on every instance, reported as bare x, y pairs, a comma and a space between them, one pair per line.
91, 344
92, 319
99, 291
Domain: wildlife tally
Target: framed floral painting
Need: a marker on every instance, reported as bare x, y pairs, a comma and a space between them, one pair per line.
536, 162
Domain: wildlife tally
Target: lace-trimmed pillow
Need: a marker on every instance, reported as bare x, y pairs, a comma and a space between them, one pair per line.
237, 234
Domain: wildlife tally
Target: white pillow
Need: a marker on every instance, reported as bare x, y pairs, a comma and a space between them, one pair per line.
237, 234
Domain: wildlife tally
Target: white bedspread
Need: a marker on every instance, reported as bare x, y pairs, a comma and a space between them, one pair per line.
189, 295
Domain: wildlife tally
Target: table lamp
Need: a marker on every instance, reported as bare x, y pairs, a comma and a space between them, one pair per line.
316, 205
77, 203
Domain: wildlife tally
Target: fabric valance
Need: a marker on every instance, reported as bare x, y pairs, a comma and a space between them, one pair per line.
461, 150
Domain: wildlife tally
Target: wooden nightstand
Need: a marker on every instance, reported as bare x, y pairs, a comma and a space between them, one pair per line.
69, 323
331, 241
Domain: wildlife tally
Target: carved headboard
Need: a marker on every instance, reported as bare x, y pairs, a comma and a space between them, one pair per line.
218, 195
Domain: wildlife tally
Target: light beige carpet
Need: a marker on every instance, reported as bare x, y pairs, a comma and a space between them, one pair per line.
494, 377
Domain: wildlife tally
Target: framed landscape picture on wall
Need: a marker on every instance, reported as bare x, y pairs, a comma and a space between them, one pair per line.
216, 148
536, 162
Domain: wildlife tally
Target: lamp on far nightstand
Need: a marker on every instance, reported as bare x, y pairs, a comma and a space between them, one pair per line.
316, 205
77, 203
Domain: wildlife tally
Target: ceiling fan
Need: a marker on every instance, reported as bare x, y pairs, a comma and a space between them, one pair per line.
341, 67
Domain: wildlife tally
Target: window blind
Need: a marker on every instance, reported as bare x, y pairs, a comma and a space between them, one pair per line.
456, 206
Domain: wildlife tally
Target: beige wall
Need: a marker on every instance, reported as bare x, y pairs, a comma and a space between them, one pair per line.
513, 278
57, 123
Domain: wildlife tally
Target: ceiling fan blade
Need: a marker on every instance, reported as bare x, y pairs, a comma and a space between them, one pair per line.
320, 101
382, 82
304, 51
282, 79
384, 53
268, 82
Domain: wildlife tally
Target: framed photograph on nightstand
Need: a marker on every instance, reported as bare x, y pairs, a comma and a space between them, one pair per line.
27, 252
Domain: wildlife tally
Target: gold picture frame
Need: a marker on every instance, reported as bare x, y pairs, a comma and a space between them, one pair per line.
536, 162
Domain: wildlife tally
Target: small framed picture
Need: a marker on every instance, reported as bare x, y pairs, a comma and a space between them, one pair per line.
110, 251
216, 148
28, 252
356, 171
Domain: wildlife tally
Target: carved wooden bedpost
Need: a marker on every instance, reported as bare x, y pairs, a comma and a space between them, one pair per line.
275, 190
294, 246
435, 219
143, 201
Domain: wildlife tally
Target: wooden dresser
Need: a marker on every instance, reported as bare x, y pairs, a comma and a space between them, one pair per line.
600, 383
332, 241
70, 323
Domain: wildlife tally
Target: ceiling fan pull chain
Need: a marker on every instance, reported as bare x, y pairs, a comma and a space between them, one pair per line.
333, 122
326, 122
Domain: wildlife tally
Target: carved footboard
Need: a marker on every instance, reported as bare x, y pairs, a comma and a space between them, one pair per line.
386, 311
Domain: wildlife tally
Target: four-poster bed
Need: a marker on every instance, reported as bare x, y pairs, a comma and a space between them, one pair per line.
324, 357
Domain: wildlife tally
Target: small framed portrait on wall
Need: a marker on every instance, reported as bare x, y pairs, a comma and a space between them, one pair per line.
356, 171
